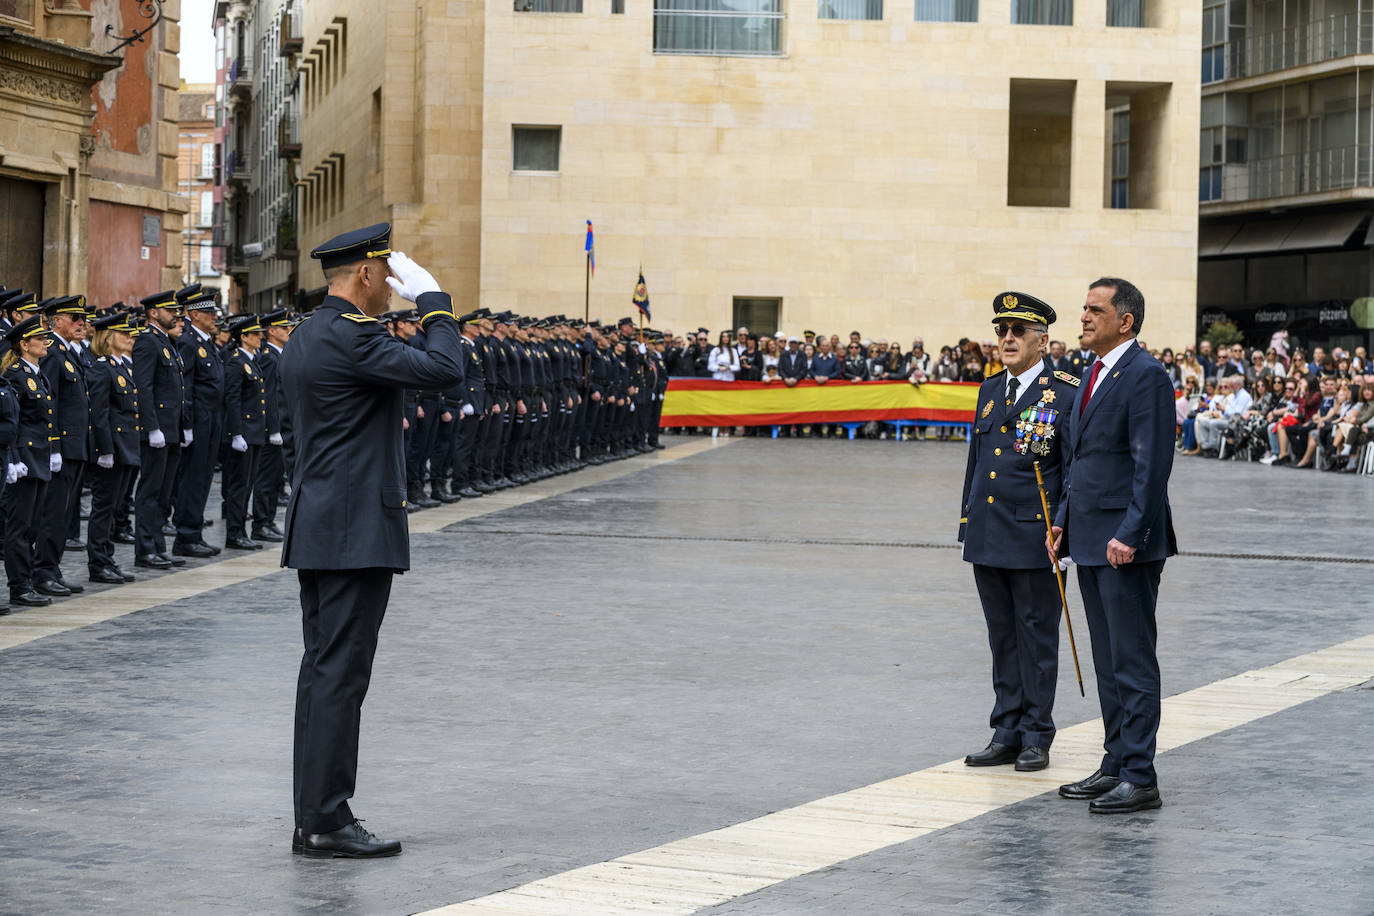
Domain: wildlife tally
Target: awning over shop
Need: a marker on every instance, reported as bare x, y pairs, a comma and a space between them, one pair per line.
1265, 235
1324, 230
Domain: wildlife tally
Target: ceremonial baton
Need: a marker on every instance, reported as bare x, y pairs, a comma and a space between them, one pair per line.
1059, 576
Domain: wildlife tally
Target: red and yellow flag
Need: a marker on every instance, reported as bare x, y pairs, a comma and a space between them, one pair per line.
707, 402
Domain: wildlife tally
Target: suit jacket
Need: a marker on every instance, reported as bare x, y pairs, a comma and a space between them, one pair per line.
114, 411
793, 365
65, 372
202, 371
1003, 522
245, 399
344, 378
161, 386
37, 441
1121, 450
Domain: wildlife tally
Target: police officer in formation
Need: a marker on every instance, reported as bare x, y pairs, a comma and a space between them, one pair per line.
1021, 416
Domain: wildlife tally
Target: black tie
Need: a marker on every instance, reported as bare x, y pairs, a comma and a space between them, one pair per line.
1011, 390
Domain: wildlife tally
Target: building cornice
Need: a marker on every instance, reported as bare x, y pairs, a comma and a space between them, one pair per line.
49, 70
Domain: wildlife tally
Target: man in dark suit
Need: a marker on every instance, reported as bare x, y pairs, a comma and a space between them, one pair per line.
1114, 521
346, 532
1022, 415
1080, 359
1060, 359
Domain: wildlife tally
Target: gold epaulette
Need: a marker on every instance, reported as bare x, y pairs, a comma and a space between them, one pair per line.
360, 319
1067, 377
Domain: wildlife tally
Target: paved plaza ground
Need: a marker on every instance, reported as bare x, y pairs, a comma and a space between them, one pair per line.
649, 651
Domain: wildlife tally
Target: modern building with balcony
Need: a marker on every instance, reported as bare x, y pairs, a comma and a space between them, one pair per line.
197, 171
1286, 178
889, 165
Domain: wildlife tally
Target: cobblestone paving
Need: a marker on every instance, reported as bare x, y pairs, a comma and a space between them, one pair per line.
677, 650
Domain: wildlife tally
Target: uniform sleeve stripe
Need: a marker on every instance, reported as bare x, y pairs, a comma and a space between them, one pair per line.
435, 312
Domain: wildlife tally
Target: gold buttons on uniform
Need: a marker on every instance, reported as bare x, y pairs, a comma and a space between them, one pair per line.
1004, 429
992, 475
989, 499
997, 451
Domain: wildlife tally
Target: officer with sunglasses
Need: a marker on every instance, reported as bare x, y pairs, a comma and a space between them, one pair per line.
1021, 417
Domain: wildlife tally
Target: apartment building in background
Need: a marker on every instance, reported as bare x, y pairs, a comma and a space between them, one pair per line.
88, 149
196, 166
1286, 175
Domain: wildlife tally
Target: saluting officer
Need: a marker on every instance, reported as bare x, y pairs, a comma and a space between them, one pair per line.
245, 424
114, 429
162, 409
33, 459
1022, 414
65, 373
203, 378
267, 484
346, 530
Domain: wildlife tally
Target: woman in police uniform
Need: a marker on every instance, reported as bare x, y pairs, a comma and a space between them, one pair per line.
245, 423
114, 428
33, 457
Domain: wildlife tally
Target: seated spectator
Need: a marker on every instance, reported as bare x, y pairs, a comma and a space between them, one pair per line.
1273, 365
1352, 430
1286, 415
1316, 411
1204, 405
1218, 419
1171, 369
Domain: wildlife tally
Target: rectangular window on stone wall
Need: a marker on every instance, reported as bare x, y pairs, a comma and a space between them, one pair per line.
1136, 159
535, 149
1119, 162
1039, 143
207, 161
759, 315
850, 9
617, 7
946, 10
718, 27
548, 6
1042, 12
1126, 13
375, 135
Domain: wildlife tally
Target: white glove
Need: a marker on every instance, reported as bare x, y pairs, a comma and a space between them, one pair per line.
105, 461
156, 439
238, 444
632, 407
1064, 564
12, 473
468, 410
187, 437
411, 280
55, 463
275, 438
643, 349
23, 469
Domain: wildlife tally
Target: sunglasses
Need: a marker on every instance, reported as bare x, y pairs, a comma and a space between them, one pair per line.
1016, 330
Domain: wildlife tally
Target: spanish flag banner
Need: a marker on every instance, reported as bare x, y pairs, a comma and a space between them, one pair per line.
707, 402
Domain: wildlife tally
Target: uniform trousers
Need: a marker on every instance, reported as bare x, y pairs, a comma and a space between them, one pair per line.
107, 486
153, 497
267, 485
197, 473
341, 615
424, 430
236, 480
464, 450
1021, 607
63, 490
24, 503
1120, 606
441, 452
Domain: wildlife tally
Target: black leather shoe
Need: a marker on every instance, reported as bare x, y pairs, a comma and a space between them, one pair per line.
240, 543
29, 598
349, 842
297, 841
4, 609
1095, 786
440, 492
74, 544
175, 561
128, 577
1126, 798
169, 530
107, 576
52, 587
152, 561
123, 537
200, 550
1032, 758
468, 493
994, 755
274, 528
262, 534
69, 586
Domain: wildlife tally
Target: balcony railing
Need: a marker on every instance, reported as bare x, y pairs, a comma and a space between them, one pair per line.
1333, 169
239, 79
291, 38
238, 166
1296, 46
289, 135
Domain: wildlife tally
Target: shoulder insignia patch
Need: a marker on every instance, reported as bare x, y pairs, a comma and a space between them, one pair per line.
1066, 377
359, 319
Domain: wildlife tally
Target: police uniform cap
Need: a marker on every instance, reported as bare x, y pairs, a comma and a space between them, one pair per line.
29, 327
243, 324
358, 245
28, 302
6, 292
627, 320
111, 321
186, 293
12, 295
503, 317
48, 306
167, 299
469, 317
202, 301
69, 305
408, 315
1011, 304
275, 318
808, 333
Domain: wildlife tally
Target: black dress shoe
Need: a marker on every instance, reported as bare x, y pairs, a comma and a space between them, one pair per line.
122, 537
128, 577
29, 598
199, 549
1032, 758
274, 528
74, 544
468, 493
297, 841
348, 842
69, 586
993, 755
52, 587
175, 561
152, 561
4, 609
242, 543
1126, 798
262, 534
107, 576
1095, 786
